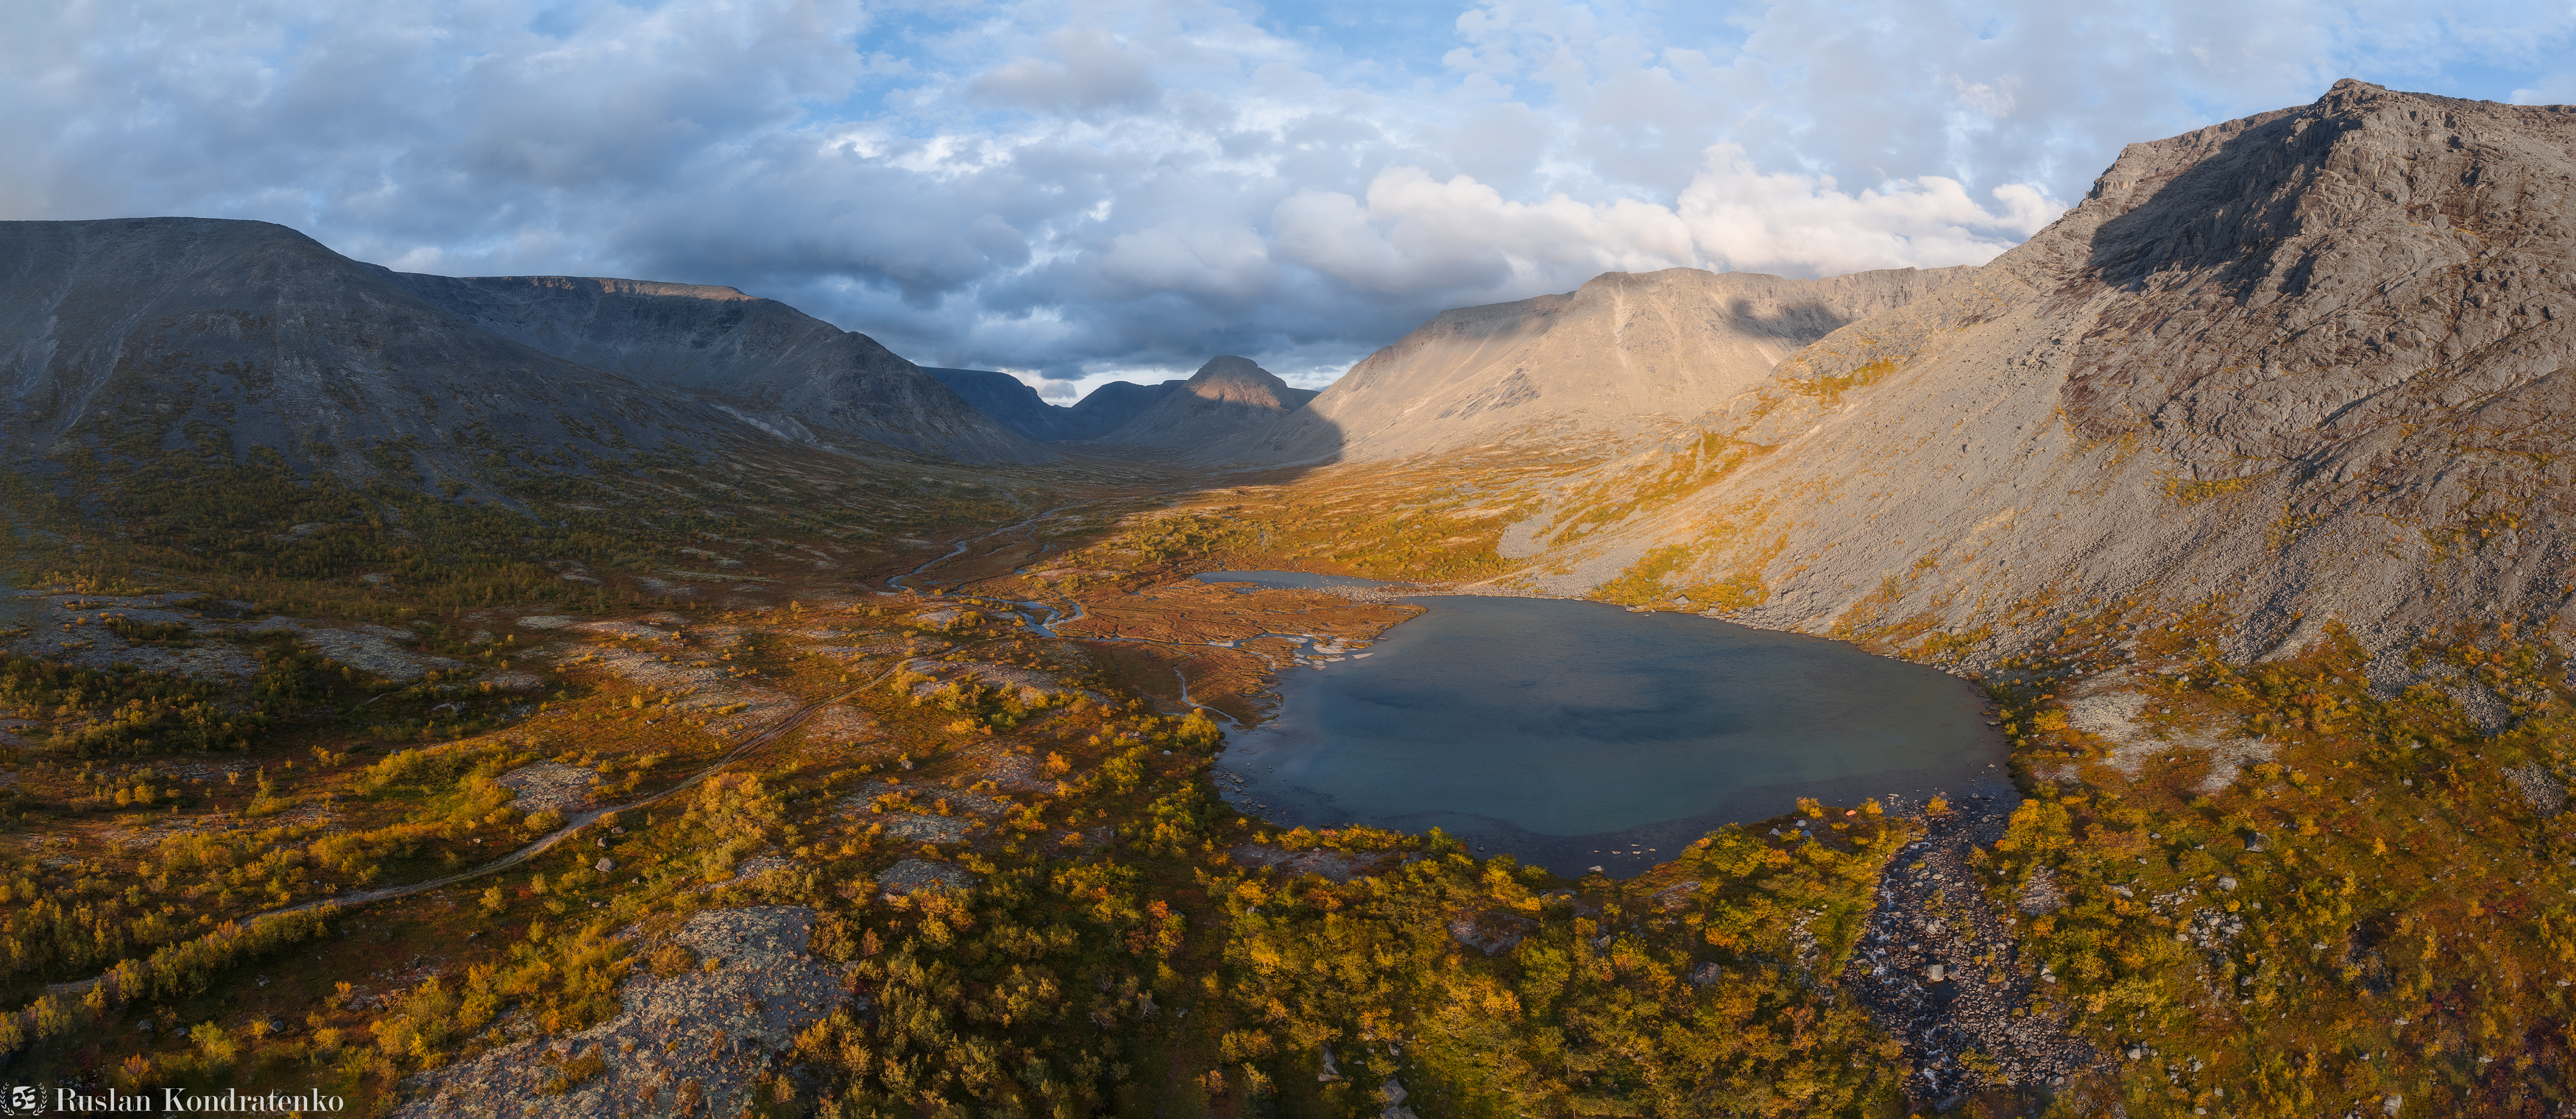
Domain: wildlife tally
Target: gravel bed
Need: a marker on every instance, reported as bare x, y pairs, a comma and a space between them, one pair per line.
544, 785
1916, 973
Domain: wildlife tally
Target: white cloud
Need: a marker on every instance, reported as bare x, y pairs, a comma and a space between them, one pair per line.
1090, 72
1747, 220
1224, 262
1415, 234
1462, 238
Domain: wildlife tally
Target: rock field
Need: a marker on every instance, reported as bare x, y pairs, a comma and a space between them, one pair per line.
698, 1042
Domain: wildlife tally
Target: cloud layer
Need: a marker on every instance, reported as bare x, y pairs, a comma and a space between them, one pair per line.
1082, 190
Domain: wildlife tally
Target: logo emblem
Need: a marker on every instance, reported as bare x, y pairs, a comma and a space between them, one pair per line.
25, 1100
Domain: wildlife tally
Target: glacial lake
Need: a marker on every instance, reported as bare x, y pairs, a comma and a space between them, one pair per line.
1576, 734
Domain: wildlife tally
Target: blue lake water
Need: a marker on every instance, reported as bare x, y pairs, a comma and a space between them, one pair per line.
1576, 734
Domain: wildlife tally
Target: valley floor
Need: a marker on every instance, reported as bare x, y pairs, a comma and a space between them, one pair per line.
815, 788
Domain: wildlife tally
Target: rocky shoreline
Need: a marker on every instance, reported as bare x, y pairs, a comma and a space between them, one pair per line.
1939, 970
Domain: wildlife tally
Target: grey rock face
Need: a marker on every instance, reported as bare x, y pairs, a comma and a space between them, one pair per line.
2373, 289
774, 366
2311, 362
151, 334
1227, 396
1623, 356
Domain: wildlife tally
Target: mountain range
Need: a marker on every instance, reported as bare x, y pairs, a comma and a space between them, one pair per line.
2311, 362
141, 335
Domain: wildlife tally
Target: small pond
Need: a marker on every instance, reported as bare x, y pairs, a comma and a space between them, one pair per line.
1576, 734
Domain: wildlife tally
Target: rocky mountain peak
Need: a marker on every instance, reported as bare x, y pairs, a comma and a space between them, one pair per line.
1227, 397
2283, 287
2311, 364
1236, 380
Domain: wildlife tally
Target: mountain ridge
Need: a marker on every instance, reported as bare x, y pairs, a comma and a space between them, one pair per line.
1620, 357
1020, 408
136, 337
245, 334
1227, 396
2301, 361
793, 374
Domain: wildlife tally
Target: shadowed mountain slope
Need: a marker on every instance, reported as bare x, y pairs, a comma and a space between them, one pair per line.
137, 336
1111, 406
1008, 402
2315, 361
769, 363
1227, 396
1017, 406
1622, 356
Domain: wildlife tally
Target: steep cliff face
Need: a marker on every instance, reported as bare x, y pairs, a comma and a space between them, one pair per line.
2313, 363
767, 362
136, 336
1227, 396
1622, 356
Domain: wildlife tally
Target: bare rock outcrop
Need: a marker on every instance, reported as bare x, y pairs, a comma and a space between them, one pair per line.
698, 1040
554, 786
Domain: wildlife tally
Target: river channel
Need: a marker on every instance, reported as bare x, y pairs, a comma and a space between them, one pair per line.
1577, 734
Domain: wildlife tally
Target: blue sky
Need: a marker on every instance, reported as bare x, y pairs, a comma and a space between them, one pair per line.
1081, 191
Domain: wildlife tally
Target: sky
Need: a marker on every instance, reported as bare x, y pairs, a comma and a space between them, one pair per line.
1077, 192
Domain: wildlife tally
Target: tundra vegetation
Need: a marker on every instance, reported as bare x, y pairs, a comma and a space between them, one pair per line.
2373, 910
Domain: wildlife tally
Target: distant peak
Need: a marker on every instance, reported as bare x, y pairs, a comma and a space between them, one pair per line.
1231, 367
1236, 379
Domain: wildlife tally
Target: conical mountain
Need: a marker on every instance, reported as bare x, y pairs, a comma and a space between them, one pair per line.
2311, 365
1227, 396
1622, 356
